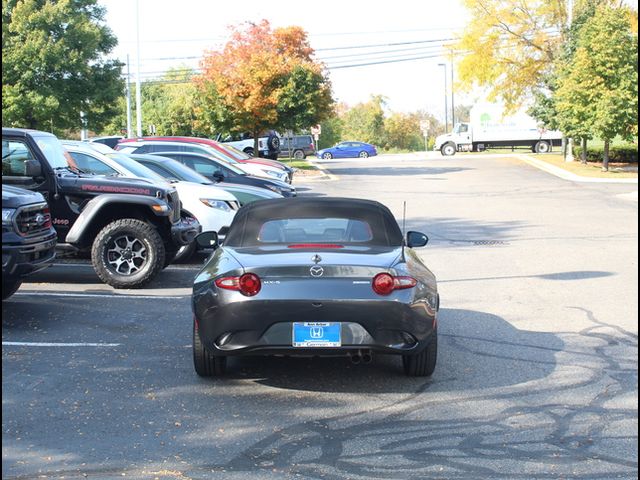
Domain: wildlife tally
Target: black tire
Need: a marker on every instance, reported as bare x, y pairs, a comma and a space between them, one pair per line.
424, 363
10, 286
327, 156
205, 364
299, 155
542, 147
248, 151
363, 155
448, 149
130, 241
185, 253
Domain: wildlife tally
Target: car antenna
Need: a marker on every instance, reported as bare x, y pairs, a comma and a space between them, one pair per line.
404, 217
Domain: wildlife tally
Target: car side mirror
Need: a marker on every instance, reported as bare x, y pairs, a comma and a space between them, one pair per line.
207, 239
218, 175
416, 239
33, 168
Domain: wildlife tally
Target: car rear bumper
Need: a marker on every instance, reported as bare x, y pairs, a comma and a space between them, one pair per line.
266, 327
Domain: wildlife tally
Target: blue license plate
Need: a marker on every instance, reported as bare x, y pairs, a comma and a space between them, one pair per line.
316, 334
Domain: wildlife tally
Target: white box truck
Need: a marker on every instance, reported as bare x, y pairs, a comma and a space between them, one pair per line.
491, 128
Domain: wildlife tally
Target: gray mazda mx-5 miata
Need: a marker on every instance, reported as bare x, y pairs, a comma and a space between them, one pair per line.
315, 276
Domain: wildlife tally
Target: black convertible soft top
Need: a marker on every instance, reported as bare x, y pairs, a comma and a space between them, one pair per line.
246, 225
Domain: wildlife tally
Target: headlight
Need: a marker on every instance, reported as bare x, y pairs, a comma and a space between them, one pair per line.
273, 188
218, 204
7, 215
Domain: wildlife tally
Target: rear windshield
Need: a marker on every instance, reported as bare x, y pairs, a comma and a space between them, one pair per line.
315, 230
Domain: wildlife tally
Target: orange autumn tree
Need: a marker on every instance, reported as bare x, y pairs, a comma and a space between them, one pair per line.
263, 79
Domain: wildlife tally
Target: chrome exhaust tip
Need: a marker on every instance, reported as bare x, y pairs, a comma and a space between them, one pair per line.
356, 359
366, 357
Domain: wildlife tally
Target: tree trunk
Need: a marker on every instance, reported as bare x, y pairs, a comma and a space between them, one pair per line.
605, 160
256, 149
583, 153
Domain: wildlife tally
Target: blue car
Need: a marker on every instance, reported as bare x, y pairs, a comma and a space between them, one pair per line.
348, 150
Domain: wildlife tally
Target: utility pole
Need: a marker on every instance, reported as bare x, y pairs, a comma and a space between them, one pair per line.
446, 110
129, 132
138, 88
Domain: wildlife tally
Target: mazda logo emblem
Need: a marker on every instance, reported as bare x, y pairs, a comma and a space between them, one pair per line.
316, 271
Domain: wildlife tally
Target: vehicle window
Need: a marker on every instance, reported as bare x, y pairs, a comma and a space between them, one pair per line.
463, 128
53, 151
205, 168
315, 230
163, 148
134, 167
90, 164
158, 169
14, 158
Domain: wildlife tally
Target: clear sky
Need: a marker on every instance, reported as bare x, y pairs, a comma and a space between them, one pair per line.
176, 33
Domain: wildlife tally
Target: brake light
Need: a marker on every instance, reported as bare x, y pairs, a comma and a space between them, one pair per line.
384, 283
248, 284
315, 245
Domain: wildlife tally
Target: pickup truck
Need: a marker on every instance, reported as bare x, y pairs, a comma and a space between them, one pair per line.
28, 238
131, 228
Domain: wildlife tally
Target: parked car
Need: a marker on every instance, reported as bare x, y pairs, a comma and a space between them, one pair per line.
28, 237
153, 146
213, 207
268, 143
315, 277
110, 141
131, 227
220, 171
229, 151
297, 146
348, 150
172, 169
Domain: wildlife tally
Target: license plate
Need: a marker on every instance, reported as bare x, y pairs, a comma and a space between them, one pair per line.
316, 334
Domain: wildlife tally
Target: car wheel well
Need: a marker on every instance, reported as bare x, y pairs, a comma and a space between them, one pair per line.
112, 212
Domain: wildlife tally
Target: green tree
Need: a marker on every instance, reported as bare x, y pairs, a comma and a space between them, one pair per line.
54, 65
365, 121
402, 131
599, 93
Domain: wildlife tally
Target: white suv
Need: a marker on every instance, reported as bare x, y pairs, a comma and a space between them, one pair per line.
268, 143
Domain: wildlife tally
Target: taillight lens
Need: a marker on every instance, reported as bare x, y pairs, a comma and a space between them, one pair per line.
248, 284
384, 283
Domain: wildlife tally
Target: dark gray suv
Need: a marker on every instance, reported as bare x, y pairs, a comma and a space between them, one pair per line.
297, 146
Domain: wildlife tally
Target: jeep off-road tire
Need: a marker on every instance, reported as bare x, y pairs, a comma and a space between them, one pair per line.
206, 364
424, 363
10, 286
128, 253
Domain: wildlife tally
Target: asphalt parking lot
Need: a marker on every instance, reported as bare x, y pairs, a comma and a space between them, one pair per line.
537, 368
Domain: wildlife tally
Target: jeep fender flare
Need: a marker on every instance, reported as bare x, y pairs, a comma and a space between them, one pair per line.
97, 204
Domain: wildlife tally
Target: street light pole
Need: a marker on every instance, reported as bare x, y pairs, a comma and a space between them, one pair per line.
138, 94
446, 111
453, 108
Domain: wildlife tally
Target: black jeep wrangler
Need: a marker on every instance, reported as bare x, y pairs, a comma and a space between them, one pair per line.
132, 228
28, 238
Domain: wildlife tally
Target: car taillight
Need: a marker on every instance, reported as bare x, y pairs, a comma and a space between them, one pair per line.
248, 284
384, 283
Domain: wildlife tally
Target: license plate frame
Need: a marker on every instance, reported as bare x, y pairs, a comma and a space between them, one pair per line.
316, 334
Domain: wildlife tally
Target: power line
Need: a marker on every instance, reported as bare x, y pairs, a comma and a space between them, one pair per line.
387, 44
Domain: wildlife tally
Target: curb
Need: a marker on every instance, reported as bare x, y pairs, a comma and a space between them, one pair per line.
559, 172
325, 175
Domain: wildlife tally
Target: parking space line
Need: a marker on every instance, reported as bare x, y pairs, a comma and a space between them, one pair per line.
49, 344
98, 295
